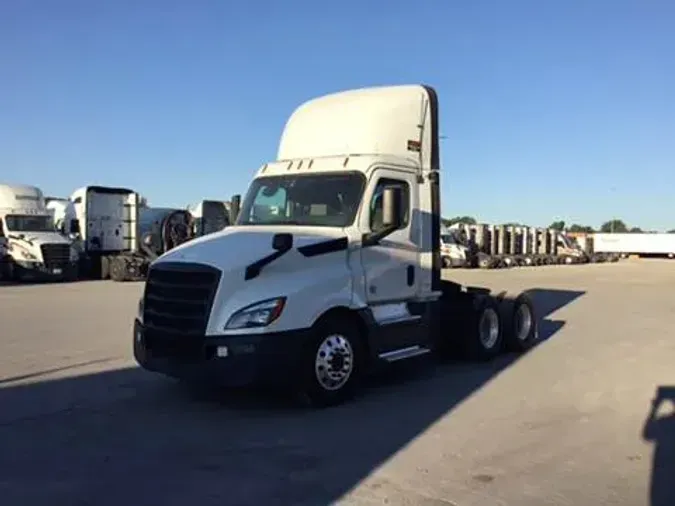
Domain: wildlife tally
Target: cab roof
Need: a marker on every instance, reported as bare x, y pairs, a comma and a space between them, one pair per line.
397, 121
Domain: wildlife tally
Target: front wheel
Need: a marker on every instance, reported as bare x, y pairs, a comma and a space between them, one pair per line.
331, 366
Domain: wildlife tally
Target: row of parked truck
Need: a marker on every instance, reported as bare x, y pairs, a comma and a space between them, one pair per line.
98, 232
495, 246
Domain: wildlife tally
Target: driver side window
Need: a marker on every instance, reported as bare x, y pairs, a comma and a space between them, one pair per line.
376, 202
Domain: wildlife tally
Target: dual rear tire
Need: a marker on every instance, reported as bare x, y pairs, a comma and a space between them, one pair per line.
497, 325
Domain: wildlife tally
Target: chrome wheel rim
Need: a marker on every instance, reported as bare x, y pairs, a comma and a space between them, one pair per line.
334, 362
489, 328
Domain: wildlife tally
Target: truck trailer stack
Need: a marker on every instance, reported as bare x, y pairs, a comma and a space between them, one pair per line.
494, 246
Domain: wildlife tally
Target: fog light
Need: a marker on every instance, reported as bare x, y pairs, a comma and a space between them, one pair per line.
222, 351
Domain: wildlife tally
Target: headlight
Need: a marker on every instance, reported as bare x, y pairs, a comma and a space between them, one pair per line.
259, 314
141, 306
27, 255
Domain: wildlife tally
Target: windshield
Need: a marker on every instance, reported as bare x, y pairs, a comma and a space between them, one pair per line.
568, 242
454, 237
325, 200
29, 223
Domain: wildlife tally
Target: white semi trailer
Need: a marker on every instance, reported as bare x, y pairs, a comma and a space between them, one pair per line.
33, 248
646, 244
333, 266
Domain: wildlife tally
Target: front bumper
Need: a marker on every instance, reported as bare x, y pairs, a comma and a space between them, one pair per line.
24, 269
270, 359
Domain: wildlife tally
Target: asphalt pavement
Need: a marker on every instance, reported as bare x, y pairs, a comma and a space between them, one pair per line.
569, 423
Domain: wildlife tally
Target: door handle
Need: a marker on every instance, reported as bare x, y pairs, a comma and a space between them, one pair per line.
411, 275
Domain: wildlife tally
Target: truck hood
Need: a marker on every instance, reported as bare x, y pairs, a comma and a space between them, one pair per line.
37, 238
321, 275
234, 248
25, 246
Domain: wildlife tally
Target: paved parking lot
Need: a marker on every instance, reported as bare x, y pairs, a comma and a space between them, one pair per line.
567, 424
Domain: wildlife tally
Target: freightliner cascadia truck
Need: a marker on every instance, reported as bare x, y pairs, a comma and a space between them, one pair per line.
333, 266
34, 249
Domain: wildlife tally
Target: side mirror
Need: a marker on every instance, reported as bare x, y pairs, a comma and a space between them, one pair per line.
282, 242
391, 207
235, 205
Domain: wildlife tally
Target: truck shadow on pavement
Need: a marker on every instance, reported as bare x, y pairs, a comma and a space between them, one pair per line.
660, 431
129, 437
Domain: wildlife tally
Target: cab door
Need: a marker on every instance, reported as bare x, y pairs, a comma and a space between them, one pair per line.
391, 267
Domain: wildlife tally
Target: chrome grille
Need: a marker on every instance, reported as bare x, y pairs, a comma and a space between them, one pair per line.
55, 255
178, 298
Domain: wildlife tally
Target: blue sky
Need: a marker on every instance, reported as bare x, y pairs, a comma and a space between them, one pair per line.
551, 109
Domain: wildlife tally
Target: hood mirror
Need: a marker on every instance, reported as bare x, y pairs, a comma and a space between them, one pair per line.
282, 242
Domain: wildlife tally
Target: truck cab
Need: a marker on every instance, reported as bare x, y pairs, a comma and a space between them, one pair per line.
333, 264
35, 248
105, 221
569, 251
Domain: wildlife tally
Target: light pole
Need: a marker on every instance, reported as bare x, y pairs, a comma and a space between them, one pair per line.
612, 189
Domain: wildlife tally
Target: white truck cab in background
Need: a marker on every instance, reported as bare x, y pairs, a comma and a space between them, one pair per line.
34, 248
62, 209
333, 265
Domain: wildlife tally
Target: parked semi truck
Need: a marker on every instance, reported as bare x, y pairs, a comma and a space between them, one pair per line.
333, 266
494, 246
33, 248
105, 221
118, 237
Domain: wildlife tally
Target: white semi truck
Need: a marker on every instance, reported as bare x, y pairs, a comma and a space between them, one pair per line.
333, 266
105, 220
34, 249
117, 236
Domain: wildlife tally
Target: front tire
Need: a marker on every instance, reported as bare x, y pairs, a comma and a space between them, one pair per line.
331, 366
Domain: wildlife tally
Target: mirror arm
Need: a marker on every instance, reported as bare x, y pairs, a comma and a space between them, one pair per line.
373, 238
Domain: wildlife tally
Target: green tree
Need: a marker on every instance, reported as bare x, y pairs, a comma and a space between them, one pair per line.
468, 220
614, 226
636, 230
581, 228
557, 225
